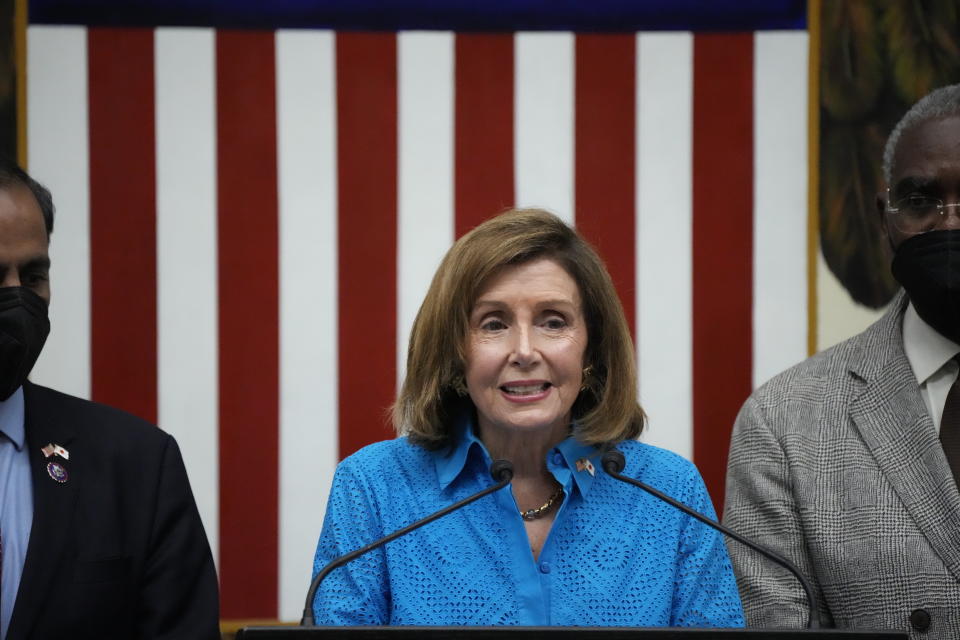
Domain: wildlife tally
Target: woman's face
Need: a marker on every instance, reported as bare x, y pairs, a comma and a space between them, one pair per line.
525, 346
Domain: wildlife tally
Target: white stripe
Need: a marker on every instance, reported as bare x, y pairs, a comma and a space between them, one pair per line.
664, 237
543, 103
307, 185
58, 151
780, 202
187, 258
425, 167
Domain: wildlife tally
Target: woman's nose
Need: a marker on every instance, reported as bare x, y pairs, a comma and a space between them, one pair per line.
524, 352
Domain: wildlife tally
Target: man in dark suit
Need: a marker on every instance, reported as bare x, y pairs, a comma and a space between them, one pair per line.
99, 533
848, 463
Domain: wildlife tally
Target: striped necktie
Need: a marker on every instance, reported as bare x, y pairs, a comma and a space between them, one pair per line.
950, 428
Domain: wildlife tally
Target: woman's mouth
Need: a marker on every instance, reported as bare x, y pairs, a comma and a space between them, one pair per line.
525, 389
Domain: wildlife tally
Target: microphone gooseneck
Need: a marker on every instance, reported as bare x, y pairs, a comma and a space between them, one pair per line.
614, 463
502, 472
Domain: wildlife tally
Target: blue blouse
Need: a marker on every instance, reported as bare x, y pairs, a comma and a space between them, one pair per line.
615, 556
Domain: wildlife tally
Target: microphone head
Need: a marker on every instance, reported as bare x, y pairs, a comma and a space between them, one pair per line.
613, 461
501, 470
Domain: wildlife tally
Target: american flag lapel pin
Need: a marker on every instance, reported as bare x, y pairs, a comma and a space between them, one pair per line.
584, 464
55, 470
55, 450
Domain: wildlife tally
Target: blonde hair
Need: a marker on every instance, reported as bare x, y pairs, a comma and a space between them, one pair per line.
606, 410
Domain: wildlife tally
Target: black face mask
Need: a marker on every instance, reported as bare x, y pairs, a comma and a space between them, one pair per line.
24, 327
928, 267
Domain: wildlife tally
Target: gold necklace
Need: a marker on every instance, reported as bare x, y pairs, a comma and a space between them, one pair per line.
539, 512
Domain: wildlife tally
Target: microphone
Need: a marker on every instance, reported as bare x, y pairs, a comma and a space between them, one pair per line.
502, 472
613, 463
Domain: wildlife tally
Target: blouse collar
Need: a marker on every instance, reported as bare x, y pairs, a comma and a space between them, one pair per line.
569, 458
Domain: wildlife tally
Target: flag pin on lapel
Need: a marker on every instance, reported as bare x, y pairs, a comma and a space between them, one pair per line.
55, 450
54, 469
585, 464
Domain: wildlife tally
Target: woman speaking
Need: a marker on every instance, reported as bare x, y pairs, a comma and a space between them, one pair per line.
521, 352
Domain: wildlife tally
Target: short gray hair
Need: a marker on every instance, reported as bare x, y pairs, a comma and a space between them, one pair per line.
939, 103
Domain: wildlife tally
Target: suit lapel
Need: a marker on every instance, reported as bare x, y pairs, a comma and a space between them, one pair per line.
892, 419
53, 506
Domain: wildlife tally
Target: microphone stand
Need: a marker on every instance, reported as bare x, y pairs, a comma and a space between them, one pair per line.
502, 472
613, 463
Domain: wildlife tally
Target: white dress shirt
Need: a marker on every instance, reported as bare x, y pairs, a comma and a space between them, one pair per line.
931, 357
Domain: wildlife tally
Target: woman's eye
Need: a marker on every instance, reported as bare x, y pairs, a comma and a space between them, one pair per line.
555, 323
492, 325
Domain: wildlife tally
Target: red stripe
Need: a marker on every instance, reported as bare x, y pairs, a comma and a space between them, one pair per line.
722, 245
483, 153
123, 220
248, 323
605, 152
367, 234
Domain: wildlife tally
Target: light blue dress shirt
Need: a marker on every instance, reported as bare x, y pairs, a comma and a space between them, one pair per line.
16, 502
615, 556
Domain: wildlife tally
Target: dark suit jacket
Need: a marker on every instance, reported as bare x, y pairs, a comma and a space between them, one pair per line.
118, 550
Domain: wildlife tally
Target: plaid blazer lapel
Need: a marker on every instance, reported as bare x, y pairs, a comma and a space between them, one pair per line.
895, 426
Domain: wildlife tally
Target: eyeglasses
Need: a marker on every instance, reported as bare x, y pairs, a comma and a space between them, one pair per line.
917, 213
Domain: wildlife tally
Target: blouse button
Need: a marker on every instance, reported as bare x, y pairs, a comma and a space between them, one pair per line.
544, 567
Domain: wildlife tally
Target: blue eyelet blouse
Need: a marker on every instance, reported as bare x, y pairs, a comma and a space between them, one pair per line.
615, 556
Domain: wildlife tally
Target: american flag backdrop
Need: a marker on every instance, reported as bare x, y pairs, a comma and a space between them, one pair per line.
249, 219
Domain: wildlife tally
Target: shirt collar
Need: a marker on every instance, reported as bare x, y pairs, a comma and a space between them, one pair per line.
451, 461
11, 419
927, 349
580, 459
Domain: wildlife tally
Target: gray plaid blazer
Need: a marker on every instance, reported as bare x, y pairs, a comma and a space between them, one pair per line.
836, 464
